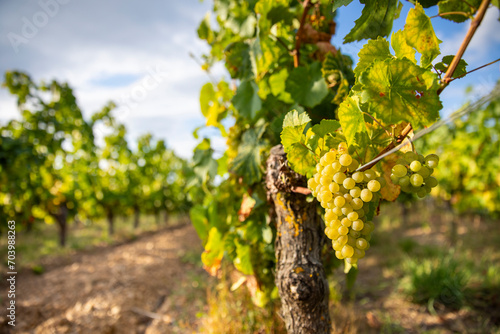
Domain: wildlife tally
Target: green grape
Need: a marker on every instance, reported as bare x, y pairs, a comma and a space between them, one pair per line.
337, 210
352, 260
352, 216
347, 251
357, 203
325, 196
432, 160
369, 174
354, 234
358, 177
421, 192
368, 228
325, 180
336, 245
323, 161
416, 180
354, 165
361, 243
349, 183
346, 222
336, 166
425, 172
339, 177
394, 179
355, 192
339, 255
406, 188
404, 181
431, 182
345, 159
348, 197
311, 184
328, 170
339, 201
333, 187
421, 158
358, 225
373, 186
346, 209
343, 230
330, 157
410, 156
361, 213
329, 215
399, 170
359, 253
415, 166
366, 195
342, 239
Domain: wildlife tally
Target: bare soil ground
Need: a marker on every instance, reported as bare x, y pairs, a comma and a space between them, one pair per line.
128, 288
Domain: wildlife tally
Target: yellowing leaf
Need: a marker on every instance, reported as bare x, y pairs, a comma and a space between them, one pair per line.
352, 122
391, 191
420, 35
402, 49
372, 51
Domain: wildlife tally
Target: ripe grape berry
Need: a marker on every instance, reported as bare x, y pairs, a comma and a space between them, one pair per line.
345, 194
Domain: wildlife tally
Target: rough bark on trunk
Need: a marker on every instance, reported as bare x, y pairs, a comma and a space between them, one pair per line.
300, 275
61, 217
111, 222
137, 214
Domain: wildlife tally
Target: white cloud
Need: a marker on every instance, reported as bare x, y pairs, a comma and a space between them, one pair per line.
92, 40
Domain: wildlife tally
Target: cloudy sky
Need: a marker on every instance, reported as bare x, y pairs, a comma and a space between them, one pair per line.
137, 54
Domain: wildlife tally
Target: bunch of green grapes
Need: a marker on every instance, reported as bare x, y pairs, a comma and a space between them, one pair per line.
413, 173
343, 192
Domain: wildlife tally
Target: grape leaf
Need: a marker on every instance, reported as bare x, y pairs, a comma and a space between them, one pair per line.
420, 35
325, 127
469, 8
445, 63
306, 85
197, 214
401, 48
242, 262
299, 156
399, 90
352, 121
248, 161
339, 3
246, 100
204, 31
376, 20
373, 50
277, 83
214, 251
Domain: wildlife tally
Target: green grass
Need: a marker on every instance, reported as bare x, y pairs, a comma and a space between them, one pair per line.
435, 280
43, 241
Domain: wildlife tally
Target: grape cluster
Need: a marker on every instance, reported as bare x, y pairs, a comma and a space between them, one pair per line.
343, 192
413, 173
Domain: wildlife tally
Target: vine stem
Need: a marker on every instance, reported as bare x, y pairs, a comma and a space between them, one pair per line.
472, 29
296, 52
477, 68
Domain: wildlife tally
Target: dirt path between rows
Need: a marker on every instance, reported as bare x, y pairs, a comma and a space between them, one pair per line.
129, 288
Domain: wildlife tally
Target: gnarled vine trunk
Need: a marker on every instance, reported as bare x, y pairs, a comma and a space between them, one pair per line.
61, 217
111, 221
300, 275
